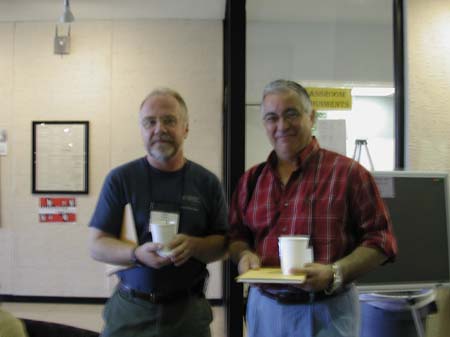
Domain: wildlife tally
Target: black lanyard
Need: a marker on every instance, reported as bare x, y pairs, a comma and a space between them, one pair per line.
168, 206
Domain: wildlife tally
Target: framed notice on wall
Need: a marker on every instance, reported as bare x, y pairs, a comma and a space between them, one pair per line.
60, 157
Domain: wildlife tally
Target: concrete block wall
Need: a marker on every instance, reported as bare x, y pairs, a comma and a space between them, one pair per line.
111, 68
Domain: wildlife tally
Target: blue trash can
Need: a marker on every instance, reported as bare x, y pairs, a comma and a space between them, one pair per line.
390, 315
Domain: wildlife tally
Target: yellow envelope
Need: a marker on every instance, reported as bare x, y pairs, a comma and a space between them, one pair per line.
127, 234
269, 275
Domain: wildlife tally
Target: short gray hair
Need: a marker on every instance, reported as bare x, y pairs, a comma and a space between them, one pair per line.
163, 91
284, 86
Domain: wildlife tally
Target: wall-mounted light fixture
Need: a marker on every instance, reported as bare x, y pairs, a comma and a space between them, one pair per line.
61, 45
67, 15
62, 42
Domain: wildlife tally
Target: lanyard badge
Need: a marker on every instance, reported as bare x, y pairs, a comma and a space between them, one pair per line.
164, 213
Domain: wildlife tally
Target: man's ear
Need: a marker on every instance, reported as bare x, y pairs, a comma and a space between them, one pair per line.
313, 116
186, 130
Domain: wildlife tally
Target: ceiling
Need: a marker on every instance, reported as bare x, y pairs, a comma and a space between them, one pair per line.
261, 10
50, 10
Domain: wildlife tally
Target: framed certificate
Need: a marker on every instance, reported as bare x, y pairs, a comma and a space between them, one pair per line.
60, 156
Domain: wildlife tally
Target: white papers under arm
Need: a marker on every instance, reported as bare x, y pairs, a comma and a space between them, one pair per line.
127, 234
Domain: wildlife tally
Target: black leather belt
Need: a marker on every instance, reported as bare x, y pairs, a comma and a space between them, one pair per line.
299, 297
159, 298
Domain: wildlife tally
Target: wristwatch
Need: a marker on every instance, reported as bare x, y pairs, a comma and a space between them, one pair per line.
337, 279
134, 259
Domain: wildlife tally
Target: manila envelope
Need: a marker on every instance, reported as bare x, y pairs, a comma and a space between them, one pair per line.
127, 234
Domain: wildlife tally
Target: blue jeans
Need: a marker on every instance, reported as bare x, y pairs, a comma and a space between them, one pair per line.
334, 317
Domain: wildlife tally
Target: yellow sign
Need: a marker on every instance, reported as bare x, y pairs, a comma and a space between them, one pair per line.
330, 98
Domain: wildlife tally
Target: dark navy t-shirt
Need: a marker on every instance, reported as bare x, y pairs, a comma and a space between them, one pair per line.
203, 212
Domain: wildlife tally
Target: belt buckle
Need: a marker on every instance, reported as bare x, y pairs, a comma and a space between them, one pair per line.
152, 297
295, 298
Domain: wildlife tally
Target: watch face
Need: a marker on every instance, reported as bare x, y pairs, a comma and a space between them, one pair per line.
337, 276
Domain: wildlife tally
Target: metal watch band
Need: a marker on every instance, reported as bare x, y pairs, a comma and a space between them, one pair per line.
134, 258
337, 279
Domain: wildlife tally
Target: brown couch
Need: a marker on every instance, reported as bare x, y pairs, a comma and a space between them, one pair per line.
50, 329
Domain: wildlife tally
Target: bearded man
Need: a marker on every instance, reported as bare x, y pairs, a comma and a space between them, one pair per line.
160, 295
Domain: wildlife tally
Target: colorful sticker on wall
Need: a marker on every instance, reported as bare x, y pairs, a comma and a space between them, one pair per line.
3, 142
57, 209
330, 98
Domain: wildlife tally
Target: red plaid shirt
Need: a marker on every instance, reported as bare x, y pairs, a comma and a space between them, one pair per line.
330, 197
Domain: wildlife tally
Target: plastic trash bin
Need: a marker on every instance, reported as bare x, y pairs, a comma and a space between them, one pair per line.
401, 314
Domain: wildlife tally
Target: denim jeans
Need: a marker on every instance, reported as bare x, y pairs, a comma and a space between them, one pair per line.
337, 316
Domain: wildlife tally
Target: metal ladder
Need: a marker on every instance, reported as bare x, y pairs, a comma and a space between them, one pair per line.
359, 145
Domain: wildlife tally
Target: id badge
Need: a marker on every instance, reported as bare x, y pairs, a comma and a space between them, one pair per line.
164, 214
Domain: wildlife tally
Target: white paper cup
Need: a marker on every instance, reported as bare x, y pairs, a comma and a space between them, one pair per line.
163, 233
309, 255
294, 252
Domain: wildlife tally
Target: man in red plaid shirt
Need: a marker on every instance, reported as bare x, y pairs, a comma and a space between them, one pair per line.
303, 189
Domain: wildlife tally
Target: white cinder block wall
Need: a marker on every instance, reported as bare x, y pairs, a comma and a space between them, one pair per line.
428, 84
112, 66
428, 108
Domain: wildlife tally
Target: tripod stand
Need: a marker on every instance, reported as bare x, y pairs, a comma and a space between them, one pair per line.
359, 144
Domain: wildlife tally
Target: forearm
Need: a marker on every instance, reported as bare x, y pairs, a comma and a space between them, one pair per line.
210, 248
236, 249
359, 262
321, 276
111, 250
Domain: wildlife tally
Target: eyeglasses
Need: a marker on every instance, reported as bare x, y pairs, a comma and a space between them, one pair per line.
289, 116
167, 121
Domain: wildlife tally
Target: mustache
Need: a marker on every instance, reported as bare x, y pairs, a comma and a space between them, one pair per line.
162, 137
284, 134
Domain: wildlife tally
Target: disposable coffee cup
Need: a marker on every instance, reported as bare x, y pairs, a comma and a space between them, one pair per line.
309, 258
294, 252
163, 233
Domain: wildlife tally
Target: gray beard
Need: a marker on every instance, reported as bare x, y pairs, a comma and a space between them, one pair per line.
162, 152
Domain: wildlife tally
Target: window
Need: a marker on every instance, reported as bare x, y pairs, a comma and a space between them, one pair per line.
328, 44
